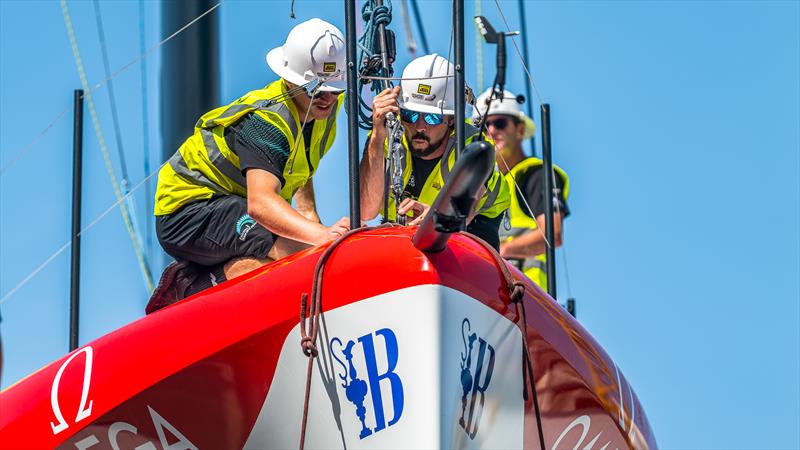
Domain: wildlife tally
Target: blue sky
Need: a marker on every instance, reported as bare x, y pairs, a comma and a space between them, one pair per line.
678, 123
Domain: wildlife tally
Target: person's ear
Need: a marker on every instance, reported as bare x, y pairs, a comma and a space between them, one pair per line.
520, 130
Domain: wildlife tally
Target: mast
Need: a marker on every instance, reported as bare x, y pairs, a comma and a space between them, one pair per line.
77, 183
352, 113
460, 83
547, 173
528, 94
189, 70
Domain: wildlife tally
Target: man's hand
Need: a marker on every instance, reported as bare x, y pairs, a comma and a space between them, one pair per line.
504, 249
371, 167
420, 210
382, 104
336, 230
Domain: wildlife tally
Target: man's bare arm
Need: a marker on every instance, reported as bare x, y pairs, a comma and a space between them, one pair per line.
305, 202
532, 243
267, 207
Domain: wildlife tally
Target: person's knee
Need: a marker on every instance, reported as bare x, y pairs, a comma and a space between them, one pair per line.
240, 266
284, 247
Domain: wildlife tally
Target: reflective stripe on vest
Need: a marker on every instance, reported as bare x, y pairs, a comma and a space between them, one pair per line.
179, 166
528, 263
222, 163
205, 165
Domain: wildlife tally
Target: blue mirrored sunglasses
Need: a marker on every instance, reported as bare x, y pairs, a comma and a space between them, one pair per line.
412, 117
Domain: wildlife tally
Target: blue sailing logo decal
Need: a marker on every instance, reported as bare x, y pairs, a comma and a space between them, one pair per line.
356, 387
244, 225
474, 386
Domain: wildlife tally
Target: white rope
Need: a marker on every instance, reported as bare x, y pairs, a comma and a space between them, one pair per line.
102, 83
368, 77
301, 134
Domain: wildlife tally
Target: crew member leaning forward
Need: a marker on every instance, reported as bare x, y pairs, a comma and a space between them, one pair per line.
523, 242
223, 203
426, 107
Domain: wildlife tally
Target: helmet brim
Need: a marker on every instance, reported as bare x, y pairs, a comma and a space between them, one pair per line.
530, 126
275, 62
333, 85
413, 106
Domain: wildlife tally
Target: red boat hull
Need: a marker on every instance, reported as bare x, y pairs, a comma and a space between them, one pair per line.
197, 374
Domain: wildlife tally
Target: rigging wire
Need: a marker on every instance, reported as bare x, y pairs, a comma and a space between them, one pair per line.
418, 19
411, 44
119, 202
449, 50
34, 141
373, 77
519, 53
524, 199
66, 245
374, 15
103, 82
478, 51
101, 36
557, 203
148, 195
126, 217
124, 180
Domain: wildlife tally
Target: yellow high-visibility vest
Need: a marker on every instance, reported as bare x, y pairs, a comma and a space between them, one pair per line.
521, 222
204, 165
494, 201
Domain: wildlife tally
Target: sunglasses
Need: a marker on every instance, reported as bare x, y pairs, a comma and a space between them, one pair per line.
335, 93
412, 117
499, 124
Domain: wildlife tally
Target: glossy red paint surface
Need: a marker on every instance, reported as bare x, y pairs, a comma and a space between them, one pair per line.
202, 368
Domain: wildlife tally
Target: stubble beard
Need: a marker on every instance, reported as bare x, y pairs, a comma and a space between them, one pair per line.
428, 149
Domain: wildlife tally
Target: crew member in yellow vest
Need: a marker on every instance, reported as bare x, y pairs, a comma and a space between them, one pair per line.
523, 241
223, 202
425, 104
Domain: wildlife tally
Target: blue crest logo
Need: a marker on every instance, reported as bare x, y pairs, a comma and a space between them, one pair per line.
474, 386
356, 387
244, 225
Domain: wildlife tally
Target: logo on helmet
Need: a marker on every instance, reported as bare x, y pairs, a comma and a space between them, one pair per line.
424, 89
329, 67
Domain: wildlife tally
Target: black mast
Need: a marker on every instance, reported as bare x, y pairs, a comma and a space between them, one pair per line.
189, 69
352, 112
460, 84
77, 182
547, 173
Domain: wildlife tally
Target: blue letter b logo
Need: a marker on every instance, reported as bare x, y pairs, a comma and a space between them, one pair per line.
375, 378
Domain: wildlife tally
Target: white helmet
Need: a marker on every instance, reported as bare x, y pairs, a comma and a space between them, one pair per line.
506, 106
314, 49
428, 95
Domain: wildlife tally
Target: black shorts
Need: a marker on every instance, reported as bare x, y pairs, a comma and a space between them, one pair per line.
213, 231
